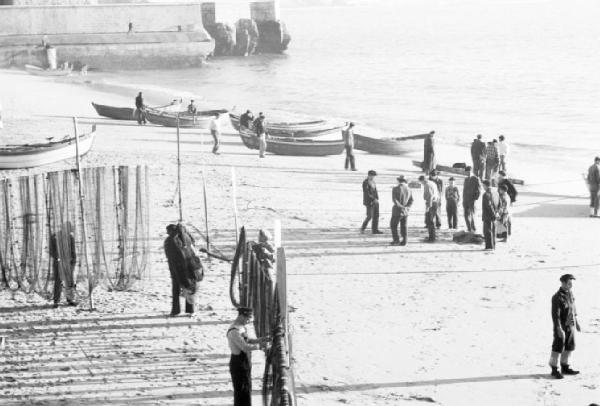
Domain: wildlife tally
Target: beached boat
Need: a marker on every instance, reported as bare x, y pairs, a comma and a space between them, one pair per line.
36, 70
460, 171
31, 155
389, 146
117, 113
294, 147
300, 129
200, 120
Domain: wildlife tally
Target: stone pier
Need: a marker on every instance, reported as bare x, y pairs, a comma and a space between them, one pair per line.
104, 36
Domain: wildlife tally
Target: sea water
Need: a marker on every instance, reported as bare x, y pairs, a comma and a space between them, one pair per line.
527, 69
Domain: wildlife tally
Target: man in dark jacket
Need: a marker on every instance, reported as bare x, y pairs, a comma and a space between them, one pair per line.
371, 203
348, 137
402, 199
564, 322
489, 211
64, 259
246, 119
478, 154
185, 267
429, 153
140, 113
593, 180
471, 192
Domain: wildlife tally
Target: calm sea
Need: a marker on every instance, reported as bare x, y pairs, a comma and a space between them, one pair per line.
526, 69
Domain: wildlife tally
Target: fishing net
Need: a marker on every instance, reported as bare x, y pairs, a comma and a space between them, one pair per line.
42, 230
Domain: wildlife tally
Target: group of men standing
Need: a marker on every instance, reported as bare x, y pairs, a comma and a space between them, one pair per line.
489, 159
495, 205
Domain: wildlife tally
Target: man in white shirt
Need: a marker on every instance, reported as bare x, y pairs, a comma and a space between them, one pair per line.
503, 152
215, 130
240, 364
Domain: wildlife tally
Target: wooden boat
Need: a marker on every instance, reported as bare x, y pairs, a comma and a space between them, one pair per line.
117, 113
304, 129
31, 155
460, 171
294, 147
36, 70
200, 120
388, 146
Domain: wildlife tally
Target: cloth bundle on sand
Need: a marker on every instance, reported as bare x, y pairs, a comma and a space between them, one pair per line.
467, 237
183, 261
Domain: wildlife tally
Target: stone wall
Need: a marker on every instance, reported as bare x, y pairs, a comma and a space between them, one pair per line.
40, 20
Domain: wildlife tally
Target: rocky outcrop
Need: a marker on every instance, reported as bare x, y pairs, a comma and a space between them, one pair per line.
273, 37
224, 36
246, 37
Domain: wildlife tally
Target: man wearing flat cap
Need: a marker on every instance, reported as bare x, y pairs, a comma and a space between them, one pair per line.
371, 202
240, 363
564, 320
402, 199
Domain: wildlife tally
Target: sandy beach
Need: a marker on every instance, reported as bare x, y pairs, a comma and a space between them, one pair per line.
442, 323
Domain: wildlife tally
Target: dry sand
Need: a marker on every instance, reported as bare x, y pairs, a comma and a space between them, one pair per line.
374, 325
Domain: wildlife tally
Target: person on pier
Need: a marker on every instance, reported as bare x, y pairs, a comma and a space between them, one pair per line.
64, 258
241, 346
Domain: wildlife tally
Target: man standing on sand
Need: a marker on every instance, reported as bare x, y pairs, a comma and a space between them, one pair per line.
428, 153
402, 199
348, 136
452, 200
512, 194
215, 131
240, 363
564, 321
246, 119
140, 113
491, 161
471, 193
503, 150
261, 132
371, 203
502, 224
192, 108
439, 183
478, 156
489, 214
593, 180
432, 198
64, 258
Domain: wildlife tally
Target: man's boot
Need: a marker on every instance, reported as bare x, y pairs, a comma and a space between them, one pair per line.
556, 373
566, 370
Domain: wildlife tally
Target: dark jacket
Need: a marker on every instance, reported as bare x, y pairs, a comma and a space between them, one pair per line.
563, 309
512, 192
246, 120
369, 192
403, 196
184, 264
478, 150
259, 127
471, 190
488, 207
593, 178
139, 102
55, 251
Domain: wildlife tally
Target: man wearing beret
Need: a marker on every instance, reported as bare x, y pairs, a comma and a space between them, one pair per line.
564, 320
402, 199
371, 202
240, 363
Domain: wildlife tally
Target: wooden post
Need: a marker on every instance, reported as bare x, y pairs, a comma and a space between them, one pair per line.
234, 198
82, 208
179, 171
